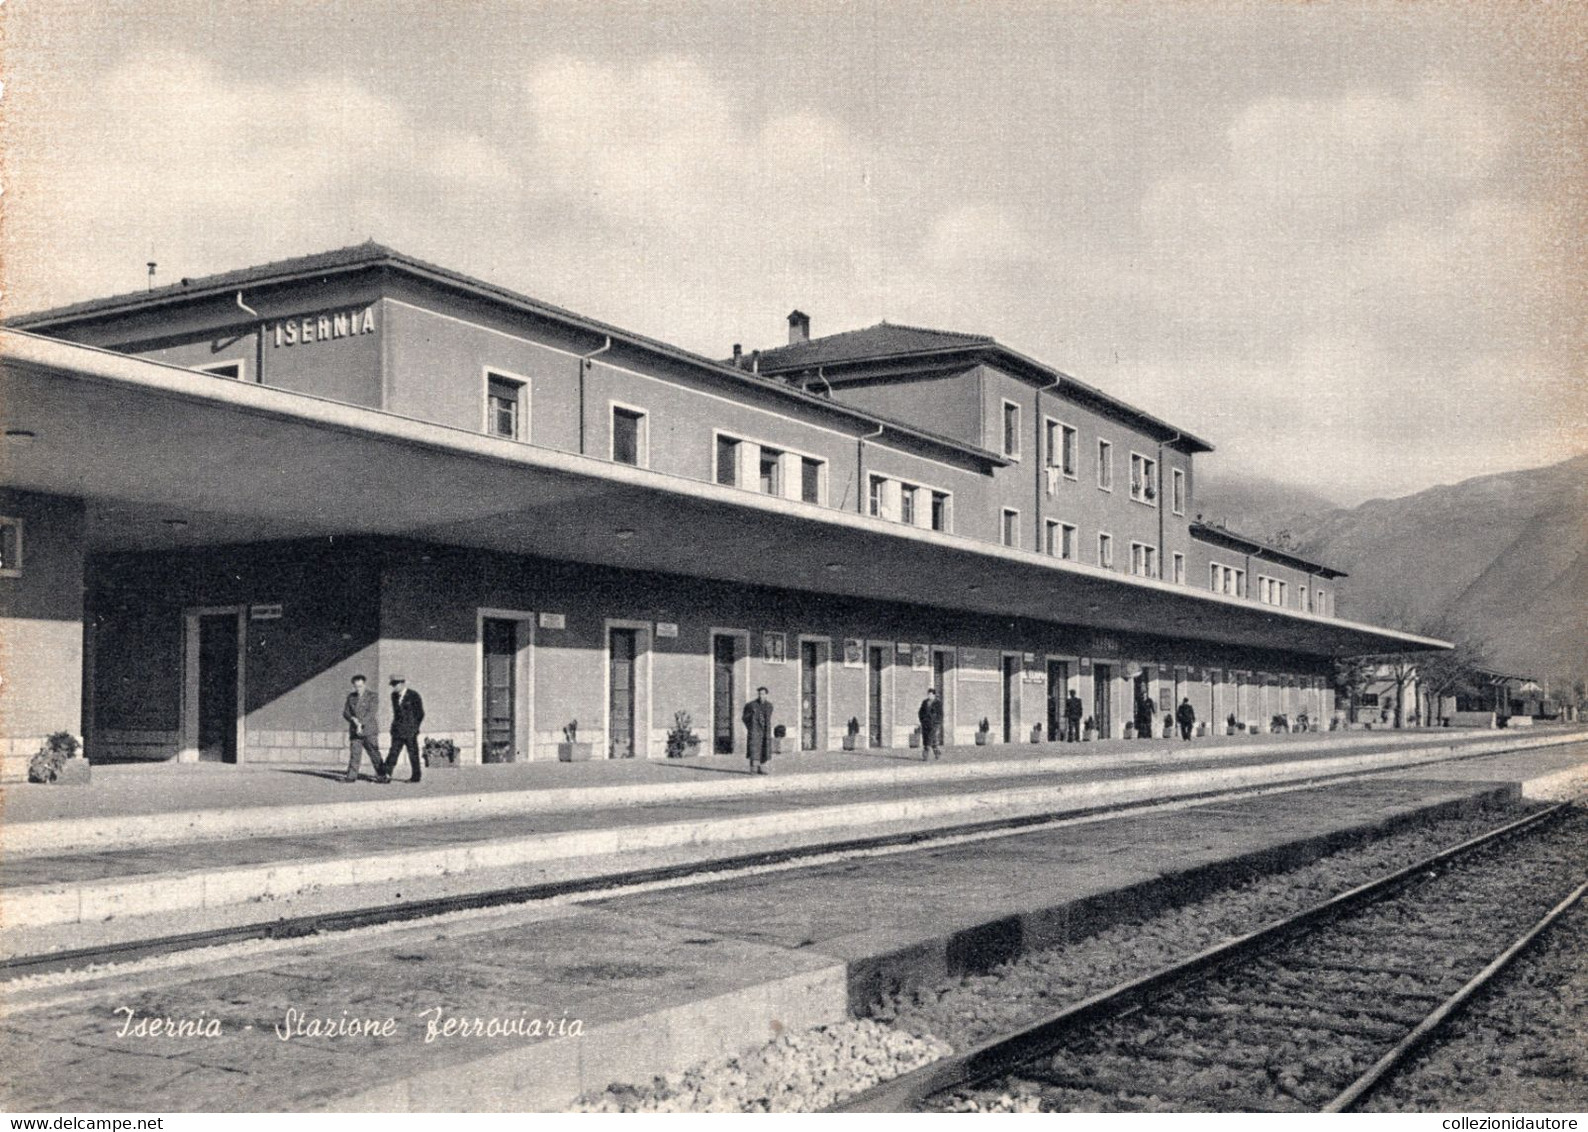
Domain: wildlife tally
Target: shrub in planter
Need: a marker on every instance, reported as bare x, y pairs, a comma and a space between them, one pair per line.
570, 750
1130, 730
57, 761
852, 735
915, 738
1088, 730
1168, 727
682, 742
1279, 725
983, 732
781, 744
439, 754
1036, 733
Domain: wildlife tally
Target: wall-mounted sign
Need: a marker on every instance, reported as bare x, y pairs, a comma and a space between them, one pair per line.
553, 620
920, 657
854, 653
774, 647
322, 327
666, 629
901, 649
264, 612
1086, 665
979, 664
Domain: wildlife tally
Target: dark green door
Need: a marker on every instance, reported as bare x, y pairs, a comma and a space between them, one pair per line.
621, 714
723, 653
500, 723
217, 687
810, 667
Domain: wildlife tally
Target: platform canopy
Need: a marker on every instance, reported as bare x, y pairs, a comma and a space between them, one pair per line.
167, 458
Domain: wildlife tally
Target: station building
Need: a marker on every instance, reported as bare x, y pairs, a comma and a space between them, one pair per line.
223, 498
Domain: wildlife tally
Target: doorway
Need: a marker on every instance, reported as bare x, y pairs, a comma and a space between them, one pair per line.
942, 680
623, 650
1011, 692
218, 637
499, 681
1058, 686
810, 703
1102, 685
724, 657
1140, 713
875, 659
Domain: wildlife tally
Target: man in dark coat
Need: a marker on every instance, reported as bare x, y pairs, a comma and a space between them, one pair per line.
1186, 716
758, 731
1072, 717
407, 713
1145, 710
931, 717
359, 711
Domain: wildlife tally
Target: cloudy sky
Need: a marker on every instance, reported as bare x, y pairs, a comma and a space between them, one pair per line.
1343, 241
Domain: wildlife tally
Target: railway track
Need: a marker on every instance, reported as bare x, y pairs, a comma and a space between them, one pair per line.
1308, 1013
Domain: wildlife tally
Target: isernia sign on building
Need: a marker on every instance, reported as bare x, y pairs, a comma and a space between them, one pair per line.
320, 327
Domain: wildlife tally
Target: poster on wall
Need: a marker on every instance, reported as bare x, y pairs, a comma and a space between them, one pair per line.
774, 647
920, 658
978, 664
854, 653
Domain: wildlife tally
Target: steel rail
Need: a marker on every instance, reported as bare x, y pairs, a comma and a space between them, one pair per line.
1005, 1054
1386, 1065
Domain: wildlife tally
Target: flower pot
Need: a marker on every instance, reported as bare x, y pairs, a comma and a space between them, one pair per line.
1130, 730
982, 737
915, 739
1036, 734
1089, 734
74, 772
575, 752
783, 746
851, 742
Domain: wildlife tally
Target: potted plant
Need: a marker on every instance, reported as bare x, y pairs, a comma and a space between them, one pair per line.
1303, 723
852, 735
781, 744
570, 750
1036, 732
440, 754
1279, 725
983, 732
682, 742
915, 738
1202, 728
1168, 727
1130, 730
1230, 724
1088, 730
58, 761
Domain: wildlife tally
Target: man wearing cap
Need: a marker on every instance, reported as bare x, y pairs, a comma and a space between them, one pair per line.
359, 711
758, 731
407, 713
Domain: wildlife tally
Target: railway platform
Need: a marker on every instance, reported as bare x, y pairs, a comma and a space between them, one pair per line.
660, 979
72, 880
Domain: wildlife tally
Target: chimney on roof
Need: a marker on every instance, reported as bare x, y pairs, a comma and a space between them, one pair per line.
799, 327
738, 356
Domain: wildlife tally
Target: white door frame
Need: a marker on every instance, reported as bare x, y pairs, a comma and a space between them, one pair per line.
189, 752
642, 684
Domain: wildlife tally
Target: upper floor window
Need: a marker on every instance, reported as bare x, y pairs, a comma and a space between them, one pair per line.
907, 494
10, 548
1011, 430
1105, 551
1143, 478
1011, 527
506, 406
630, 443
1143, 560
874, 499
940, 511
1105, 465
771, 472
727, 461
1304, 599
1179, 569
811, 479
1177, 499
1060, 539
1059, 443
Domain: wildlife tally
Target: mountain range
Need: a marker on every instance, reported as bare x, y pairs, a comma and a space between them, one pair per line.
1500, 559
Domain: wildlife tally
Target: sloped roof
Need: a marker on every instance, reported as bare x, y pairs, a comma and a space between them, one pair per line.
1223, 536
883, 340
339, 259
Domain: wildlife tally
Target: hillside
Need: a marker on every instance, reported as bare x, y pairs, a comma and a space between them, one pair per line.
1504, 557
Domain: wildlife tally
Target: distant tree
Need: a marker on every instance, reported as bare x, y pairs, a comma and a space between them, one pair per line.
1436, 673
1352, 674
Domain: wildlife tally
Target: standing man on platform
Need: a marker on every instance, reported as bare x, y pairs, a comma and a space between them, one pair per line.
1186, 716
359, 711
931, 716
1072, 717
407, 713
758, 731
